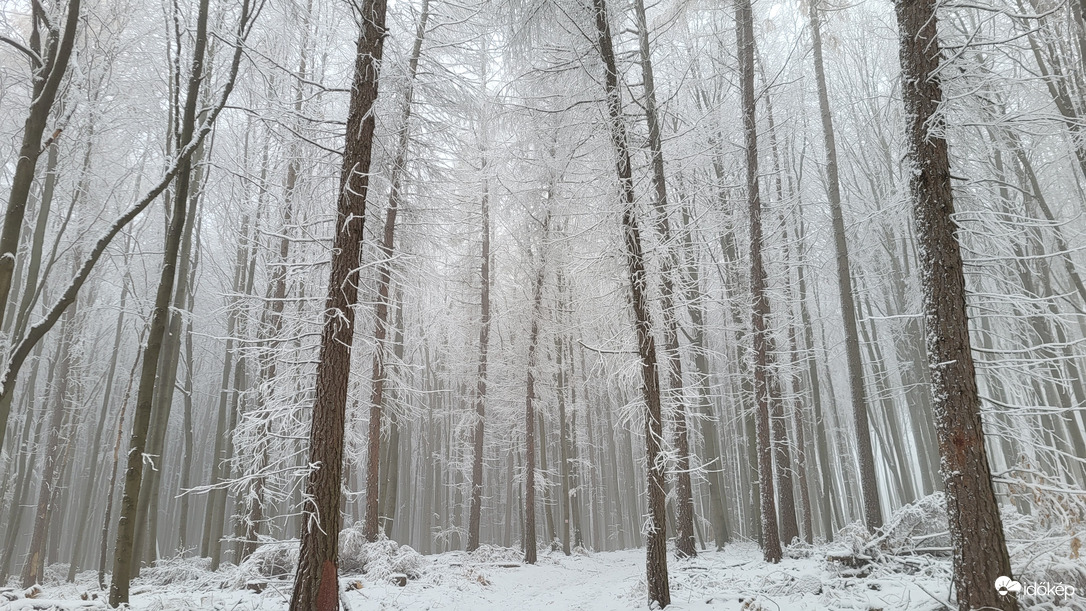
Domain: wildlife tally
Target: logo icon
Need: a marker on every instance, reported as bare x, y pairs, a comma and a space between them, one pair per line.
1005, 584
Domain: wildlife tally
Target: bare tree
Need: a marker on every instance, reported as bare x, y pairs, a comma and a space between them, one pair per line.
316, 586
659, 593
744, 26
976, 528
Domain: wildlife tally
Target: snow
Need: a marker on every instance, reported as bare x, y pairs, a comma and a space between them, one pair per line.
809, 578
493, 578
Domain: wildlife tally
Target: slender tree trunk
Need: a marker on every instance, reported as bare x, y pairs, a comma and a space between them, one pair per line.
782, 460
391, 485
684, 543
148, 513
563, 432
659, 593
34, 567
95, 450
980, 551
384, 279
530, 551
111, 489
868, 485
124, 551
48, 72
480, 386
316, 584
711, 458
760, 312
24, 466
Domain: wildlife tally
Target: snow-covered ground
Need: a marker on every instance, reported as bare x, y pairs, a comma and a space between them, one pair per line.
735, 578
493, 578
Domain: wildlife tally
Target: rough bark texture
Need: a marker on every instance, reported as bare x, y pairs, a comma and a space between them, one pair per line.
659, 593
869, 488
315, 585
782, 461
744, 24
980, 550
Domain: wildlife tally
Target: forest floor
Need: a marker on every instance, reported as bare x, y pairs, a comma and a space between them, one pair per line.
906, 567
492, 578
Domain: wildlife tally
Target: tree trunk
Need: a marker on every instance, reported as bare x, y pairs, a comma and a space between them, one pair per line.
760, 312
48, 72
853, 362
384, 279
34, 567
124, 551
480, 387
94, 451
530, 543
316, 584
659, 593
980, 551
684, 542
711, 458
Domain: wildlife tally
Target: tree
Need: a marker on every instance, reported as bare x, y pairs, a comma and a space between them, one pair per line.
659, 593
744, 28
315, 584
48, 67
684, 543
384, 280
976, 529
529, 396
125, 552
869, 488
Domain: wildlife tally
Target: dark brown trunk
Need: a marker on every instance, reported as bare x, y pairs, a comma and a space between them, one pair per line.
316, 586
48, 72
976, 530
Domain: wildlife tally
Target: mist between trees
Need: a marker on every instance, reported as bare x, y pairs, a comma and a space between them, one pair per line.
516, 272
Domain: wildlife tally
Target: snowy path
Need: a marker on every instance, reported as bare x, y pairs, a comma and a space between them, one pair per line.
601, 582
612, 581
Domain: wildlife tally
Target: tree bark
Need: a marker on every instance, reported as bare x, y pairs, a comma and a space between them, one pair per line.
711, 458
853, 362
684, 542
659, 593
94, 451
771, 546
475, 513
48, 72
34, 567
530, 544
316, 584
124, 552
976, 530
